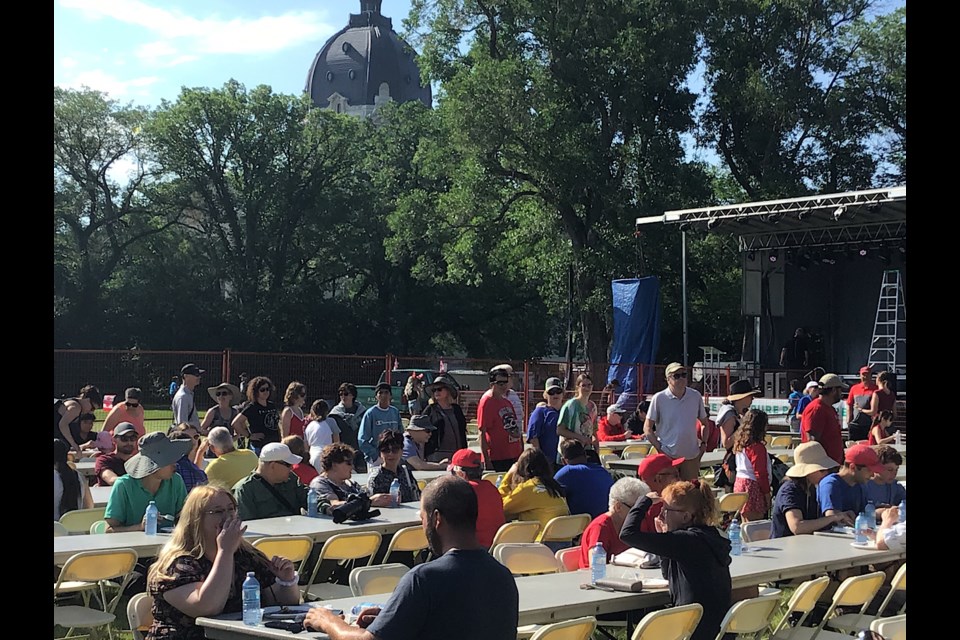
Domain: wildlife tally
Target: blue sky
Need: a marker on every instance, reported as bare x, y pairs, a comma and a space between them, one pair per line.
142, 51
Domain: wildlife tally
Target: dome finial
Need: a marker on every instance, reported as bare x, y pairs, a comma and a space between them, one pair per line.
370, 6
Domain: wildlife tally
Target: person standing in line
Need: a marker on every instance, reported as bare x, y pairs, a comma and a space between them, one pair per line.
260, 420
671, 425
501, 438
450, 425
578, 416
292, 420
820, 422
130, 410
858, 399
221, 414
184, 406
542, 428
377, 419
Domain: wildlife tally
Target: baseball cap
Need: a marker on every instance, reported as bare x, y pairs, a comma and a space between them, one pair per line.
384, 385
124, 427
863, 455
278, 452
553, 383
650, 466
866, 369
675, 366
506, 367
616, 408
466, 458
813, 384
191, 370
831, 380
420, 423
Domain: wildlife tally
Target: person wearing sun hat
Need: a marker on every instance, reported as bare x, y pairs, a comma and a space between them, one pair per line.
846, 490
227, 396
742, 393
450, 425
151, 476
417, 433
796, 510
820, 421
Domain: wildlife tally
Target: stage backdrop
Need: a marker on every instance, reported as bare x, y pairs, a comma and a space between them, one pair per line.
636, 330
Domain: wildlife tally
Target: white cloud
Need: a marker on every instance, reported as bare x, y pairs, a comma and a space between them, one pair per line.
68, 63
111, 85
211, 34
162, 54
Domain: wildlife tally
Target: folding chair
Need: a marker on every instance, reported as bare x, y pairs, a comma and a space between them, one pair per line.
564, 528
607, 458
749, 616
568, 559
756, 530
781, 442
524, 559
803, 601
851, 623
380, 578
140, 614
576, 629
96, 567
98, 527
519, 531
892, 628
59, 529
412, 539
79, 521
343, 547
642, 449
857, 591
676, 623
296, 549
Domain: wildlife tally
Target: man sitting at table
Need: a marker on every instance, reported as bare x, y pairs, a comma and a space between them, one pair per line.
273, 489
586, 485
467, 464
231, 464
110, 466
605, 528
845, 490
151, 476
463, 594
883, 488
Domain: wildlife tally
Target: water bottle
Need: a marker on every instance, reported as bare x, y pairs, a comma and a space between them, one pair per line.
312, 498
357, 608
860, 527
871, 512
903, 510
395, 493
736, 542
598, 563
251, 600
152, 514
499, 480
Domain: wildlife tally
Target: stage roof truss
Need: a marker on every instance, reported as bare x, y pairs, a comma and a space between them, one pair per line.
865, 234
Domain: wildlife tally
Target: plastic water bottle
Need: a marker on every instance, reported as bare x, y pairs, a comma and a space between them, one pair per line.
871, 512
312, 498
395, 493
251, 600
499, 480
598, 563
903, 510
357, 608
736, 541
152, 514
860, 526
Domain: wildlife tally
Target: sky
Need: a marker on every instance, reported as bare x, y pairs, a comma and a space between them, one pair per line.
144, 51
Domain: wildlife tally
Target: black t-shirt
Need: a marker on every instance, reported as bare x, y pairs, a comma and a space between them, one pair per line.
265, 420
791, 496
796, 348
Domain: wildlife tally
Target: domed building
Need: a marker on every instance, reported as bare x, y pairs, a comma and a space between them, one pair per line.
365, 65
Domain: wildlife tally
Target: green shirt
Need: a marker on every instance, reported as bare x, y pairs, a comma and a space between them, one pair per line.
575, 417
128, 500
254, 500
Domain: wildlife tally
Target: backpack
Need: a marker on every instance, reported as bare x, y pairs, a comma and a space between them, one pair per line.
778, 471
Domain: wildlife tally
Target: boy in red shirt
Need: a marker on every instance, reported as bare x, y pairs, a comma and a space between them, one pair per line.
501, 438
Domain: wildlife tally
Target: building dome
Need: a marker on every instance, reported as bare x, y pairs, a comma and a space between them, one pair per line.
364, 65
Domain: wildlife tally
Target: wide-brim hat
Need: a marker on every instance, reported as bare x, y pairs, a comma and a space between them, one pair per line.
420, 422
741, 389
156, 451
809, 457
444, 381
235, 390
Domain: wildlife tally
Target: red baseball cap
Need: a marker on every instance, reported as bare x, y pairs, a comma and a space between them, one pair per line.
466, 458
863, 455
651, 465
864, 370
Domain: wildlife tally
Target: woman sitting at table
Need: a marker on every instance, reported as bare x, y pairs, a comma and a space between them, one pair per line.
529, 491
334, 484
796, 510
200, 571
390, 446
878, 430
694, 556
70, 490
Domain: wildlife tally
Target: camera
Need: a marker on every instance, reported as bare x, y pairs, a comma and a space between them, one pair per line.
357, 507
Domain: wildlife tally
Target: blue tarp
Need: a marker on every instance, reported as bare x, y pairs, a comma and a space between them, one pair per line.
636, 331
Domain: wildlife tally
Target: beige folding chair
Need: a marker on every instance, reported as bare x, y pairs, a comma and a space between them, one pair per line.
568, 559
564, 528
633, 455
607, 458
892, 628
98, 527
768, 439
343, 547
857, 591
140, 614
603, 451
518, 531
784, 458
676, 623
642, 449
576, 629
852, 622
296, 549
803, 601
756, 530
732, 502
749, 616
781, 442
97, 567
59, 529
380, 578
79, 521
524, 559
412, 539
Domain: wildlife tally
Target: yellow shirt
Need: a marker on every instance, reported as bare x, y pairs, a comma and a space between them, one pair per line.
531, 501
230, 468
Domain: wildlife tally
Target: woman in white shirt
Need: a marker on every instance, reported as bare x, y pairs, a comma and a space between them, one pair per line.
70, 490
320, 432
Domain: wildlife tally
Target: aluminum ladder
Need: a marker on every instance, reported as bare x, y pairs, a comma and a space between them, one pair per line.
889, 329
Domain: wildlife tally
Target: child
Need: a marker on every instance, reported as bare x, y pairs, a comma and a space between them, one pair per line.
753, 465
794, 398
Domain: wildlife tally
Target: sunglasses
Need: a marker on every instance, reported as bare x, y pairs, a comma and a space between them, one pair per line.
502, 383
554, 393
263, 389
130, 438
132, 405
224, 393
678, 376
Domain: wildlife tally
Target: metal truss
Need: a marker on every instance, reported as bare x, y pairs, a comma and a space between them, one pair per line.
866, 234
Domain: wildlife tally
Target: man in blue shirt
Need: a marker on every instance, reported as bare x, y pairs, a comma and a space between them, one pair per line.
586, 485
883, 488
846, 490
377, 419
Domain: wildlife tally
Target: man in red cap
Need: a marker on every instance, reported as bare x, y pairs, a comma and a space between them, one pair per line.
859, 398
657, 470
845, 490
820, 421
466, 464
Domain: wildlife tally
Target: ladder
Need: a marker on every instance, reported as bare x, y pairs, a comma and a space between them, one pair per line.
889, 329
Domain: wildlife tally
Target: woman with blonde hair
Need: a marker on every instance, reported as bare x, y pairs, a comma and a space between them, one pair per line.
201, 569
695, 557
292, 420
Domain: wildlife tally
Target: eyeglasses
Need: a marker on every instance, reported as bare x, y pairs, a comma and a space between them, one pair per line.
678, 376
502, 383
219, 513
263, 389
130, 438
132, 405
224, 393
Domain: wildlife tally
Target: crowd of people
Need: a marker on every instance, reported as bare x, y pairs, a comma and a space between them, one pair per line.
206, 483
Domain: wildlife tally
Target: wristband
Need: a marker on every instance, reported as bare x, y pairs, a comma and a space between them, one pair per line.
288, 583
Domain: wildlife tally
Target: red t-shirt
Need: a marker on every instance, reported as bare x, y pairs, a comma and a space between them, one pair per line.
489, 511
713, 438
497, 421
871, 440
600, 530
821, 420
608, 433
305, 472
